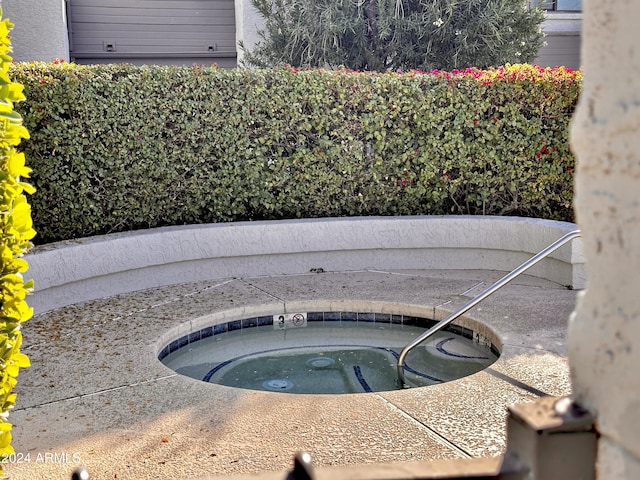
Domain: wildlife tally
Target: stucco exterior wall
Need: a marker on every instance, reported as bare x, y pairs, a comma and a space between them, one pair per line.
248, 23
563, 37
117, 263
604, 331
40, 32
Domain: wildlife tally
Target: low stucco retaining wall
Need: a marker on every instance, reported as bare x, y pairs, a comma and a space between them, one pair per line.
78, 270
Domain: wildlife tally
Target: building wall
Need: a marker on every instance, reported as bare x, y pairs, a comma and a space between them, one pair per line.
40, 32
248, 23
563, 37
561, 49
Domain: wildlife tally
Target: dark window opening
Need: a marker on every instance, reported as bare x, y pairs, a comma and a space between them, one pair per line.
562, 5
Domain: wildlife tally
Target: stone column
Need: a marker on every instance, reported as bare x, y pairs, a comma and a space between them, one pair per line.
248, 23
604, 331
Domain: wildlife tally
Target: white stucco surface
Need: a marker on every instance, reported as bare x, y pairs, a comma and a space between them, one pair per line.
605, 328
40, 32
74, 271
248, 23
564, 22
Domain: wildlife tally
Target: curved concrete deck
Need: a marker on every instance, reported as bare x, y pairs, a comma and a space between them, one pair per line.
97, 395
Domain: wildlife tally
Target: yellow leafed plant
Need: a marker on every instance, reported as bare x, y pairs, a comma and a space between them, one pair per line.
15, 239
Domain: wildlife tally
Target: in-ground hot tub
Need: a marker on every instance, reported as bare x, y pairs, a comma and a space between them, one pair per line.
328, 352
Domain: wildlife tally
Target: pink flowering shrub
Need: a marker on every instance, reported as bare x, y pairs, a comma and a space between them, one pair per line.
117, 147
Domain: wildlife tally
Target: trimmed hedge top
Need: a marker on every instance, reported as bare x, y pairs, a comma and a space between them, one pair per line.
118, 147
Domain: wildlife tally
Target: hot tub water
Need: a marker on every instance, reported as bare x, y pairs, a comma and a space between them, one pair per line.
326, 357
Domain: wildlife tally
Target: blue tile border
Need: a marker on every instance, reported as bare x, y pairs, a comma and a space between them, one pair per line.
315, 316
206, 332
220, 328
249, 323
334, 318
366, 317
327, 317
235, 325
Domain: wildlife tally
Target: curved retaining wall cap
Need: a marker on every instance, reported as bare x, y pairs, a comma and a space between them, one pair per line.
78, 270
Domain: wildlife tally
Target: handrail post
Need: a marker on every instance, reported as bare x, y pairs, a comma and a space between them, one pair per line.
480, 297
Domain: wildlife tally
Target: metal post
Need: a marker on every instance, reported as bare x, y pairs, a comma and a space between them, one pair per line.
474, 301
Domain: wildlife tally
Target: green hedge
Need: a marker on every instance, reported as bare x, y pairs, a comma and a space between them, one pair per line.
118, 147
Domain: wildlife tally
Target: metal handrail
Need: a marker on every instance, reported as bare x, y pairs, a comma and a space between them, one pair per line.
474, 301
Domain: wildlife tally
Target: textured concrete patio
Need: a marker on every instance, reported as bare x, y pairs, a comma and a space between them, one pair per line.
96, 395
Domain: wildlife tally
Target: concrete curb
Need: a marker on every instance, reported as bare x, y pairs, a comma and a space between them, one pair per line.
96, 267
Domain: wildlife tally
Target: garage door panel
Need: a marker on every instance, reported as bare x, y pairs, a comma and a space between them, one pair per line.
191, 5
122, 29
154, 33
221, 17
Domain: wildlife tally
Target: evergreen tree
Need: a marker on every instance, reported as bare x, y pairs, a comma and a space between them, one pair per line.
382, 35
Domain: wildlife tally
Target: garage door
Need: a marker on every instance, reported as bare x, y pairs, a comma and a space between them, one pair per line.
174, 32
561, 49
